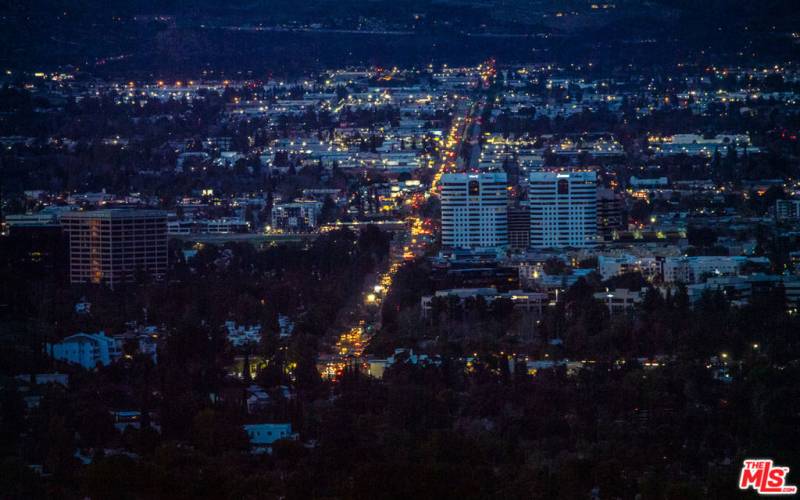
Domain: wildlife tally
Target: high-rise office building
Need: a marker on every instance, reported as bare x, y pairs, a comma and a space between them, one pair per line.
474, 210
519, 226
563, 209
609, 214
112, 246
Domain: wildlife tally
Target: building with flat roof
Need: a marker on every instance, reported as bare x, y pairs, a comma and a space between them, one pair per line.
263, 436
474, 210
519, 227
112, 246
526, 301
609, 214
698, 268
619, 300
296, 217
563, 209
86, 349
787, 210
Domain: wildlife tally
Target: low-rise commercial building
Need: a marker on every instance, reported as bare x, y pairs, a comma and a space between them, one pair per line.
296, 217
526, 301
697, 269
619, 300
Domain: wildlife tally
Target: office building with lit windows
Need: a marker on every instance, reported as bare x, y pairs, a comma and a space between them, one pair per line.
563, 209
609, 214
298, 217
474, 210
519, 227
114, 246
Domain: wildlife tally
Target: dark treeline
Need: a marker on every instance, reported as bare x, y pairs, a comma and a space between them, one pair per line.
235, 281
581, 327
489, 428
198, 407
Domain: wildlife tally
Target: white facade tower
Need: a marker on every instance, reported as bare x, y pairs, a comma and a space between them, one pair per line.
563, 209
474, 210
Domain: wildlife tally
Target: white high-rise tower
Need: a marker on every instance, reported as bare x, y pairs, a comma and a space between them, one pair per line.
563, 209
474, 210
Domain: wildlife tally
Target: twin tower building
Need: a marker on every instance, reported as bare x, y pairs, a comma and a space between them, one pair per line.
561, 211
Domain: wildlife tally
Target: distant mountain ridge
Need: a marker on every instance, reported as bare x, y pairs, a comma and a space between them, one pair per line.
151, 36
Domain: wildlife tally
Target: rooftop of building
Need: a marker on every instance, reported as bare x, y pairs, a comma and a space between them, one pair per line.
114, 213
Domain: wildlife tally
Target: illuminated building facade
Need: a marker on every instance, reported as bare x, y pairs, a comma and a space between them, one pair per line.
300, 216
609, 213
474, 210
112, 246
519, 227
563, 209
